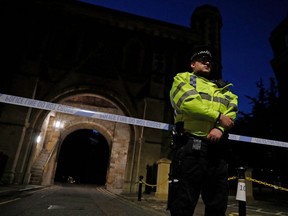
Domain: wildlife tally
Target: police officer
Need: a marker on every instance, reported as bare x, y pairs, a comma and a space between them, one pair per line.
206, 110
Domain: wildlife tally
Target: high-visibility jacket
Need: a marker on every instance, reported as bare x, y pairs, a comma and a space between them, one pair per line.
198, 102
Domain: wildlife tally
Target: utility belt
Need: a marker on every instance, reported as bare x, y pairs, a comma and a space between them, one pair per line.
194, 143
189, 145
181, 138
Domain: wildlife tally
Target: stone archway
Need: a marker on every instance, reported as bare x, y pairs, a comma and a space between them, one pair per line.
118, 136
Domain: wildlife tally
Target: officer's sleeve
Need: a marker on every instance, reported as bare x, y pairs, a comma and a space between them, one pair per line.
186, 99
232, 109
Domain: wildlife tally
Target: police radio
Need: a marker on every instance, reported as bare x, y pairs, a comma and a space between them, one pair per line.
177, 135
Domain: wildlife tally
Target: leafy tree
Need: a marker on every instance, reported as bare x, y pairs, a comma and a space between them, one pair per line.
264, 121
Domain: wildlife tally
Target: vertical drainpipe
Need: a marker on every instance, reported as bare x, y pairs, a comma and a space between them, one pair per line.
21, 141
132, 165
141, 137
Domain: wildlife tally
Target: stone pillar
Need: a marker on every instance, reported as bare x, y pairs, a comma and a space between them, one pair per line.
249, 187
162, 178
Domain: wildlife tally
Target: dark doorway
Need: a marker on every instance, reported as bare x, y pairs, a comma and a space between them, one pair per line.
83, 158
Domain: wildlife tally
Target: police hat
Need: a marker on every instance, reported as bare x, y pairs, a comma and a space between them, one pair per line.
201, 51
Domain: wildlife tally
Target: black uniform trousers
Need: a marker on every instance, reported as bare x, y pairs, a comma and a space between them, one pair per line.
199, 167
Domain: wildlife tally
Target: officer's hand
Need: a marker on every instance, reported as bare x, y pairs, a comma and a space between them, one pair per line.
226, 122
214, 135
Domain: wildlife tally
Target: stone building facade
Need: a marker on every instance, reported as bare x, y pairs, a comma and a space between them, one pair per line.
279, 44
97, 59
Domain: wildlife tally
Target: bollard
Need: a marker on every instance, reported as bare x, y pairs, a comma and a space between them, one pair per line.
140, 188
169, 190
241, 191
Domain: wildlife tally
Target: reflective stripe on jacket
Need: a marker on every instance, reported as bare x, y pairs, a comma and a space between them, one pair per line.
198, 102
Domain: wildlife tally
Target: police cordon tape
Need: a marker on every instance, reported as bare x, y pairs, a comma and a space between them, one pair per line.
21, 101
27, 102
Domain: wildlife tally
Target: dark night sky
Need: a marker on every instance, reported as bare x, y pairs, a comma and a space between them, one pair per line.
247, 25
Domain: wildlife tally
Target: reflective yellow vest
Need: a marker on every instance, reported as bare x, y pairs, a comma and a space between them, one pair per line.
198, 103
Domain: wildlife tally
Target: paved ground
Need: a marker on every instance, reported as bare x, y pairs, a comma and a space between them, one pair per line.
253, 207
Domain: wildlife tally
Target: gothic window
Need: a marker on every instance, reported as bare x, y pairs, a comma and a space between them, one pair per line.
286, 39
158, 67
133, 58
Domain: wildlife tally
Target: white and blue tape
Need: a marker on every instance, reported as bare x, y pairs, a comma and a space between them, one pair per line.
10, 99
21, 101
258, 140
